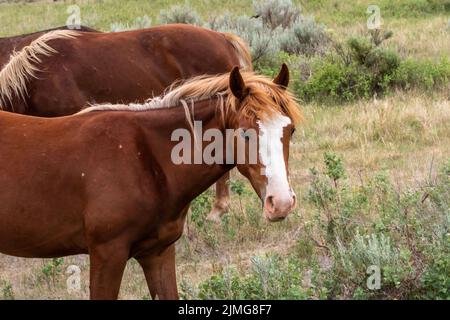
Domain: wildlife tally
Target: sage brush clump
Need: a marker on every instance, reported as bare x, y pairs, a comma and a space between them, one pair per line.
305, 37
276, 26
276, 13
262, 40
268, 277
180, 14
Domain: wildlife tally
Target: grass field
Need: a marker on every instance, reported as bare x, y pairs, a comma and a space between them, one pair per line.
419, 31
404, 136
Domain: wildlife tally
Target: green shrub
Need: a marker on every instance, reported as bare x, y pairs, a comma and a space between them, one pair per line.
436, 278
361, 68
200, 208
333, 81
7, 292
269, 277
197, 218
422, 74
53, 268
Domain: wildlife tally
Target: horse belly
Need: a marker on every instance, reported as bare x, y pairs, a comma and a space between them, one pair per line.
30, 232
40, 242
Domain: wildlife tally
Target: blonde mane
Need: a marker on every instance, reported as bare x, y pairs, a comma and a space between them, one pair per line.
23, 65
242, 50
264, 98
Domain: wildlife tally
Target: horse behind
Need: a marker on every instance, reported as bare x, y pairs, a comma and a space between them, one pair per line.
9, 45
104, 182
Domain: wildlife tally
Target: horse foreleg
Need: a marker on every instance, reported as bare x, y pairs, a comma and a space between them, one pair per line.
160, 274
107, 264
222, 201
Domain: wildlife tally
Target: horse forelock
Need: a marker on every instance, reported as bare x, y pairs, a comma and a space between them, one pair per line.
24, 64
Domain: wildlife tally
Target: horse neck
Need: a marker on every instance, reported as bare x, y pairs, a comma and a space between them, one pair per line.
10, 44
185, 181
6, 48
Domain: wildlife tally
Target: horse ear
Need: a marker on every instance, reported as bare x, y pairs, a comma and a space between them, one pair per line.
237, 84
283, 77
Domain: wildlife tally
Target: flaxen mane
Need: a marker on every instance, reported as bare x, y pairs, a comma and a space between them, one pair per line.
264, 97
242, 50
23, 65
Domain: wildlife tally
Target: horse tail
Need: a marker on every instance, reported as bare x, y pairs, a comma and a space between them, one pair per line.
23, 65
242, 50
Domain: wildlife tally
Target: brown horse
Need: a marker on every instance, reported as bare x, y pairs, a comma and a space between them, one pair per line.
121, 67
105, 183
8, 45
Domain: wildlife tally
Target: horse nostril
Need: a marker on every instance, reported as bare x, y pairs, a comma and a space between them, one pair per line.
270, 201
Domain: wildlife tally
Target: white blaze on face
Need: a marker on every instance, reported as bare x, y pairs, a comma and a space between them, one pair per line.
272, 156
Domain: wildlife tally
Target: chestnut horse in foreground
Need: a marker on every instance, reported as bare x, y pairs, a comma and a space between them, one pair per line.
64, 71
103, 182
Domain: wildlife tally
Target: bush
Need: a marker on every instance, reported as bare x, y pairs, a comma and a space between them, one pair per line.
269, 277
7, 292
276, 13
404, 233
333, 81
305, 37
354, 258
422, 74
277, 27
436, 279
362, 68
180, 14
262, 41
352, 227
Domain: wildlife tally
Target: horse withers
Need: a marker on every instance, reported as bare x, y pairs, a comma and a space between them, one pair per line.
104, 182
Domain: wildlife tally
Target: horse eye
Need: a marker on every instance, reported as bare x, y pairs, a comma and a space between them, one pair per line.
293, 131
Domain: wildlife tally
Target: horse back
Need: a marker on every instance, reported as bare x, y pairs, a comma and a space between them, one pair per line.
125, 67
